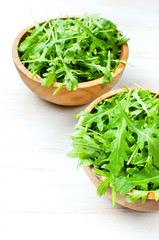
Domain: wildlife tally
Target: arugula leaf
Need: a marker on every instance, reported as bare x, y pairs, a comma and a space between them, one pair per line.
119, 152
134, 196
50, 77
102, 188
85, 162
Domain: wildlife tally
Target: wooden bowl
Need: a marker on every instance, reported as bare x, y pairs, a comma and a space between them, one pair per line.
150, 204
86, 91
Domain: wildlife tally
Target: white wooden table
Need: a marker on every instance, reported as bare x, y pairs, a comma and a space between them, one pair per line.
42, 194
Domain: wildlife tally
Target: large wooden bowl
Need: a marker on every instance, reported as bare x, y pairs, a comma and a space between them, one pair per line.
86, 92
150, 204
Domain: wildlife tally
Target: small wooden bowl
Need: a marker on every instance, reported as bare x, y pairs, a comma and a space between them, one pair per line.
150, 204
86, 91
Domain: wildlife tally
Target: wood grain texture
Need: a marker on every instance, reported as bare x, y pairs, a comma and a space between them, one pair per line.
150, 204
86, 91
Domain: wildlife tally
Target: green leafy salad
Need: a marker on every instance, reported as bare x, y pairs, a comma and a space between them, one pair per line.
120, 139
71, 50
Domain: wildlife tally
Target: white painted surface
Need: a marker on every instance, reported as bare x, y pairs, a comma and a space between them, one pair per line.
42, 195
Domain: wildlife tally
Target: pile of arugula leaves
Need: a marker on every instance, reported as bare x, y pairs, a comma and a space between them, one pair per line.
72, 50
120, 138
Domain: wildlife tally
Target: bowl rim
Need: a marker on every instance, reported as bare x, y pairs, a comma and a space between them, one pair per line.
90, 107
15, 54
